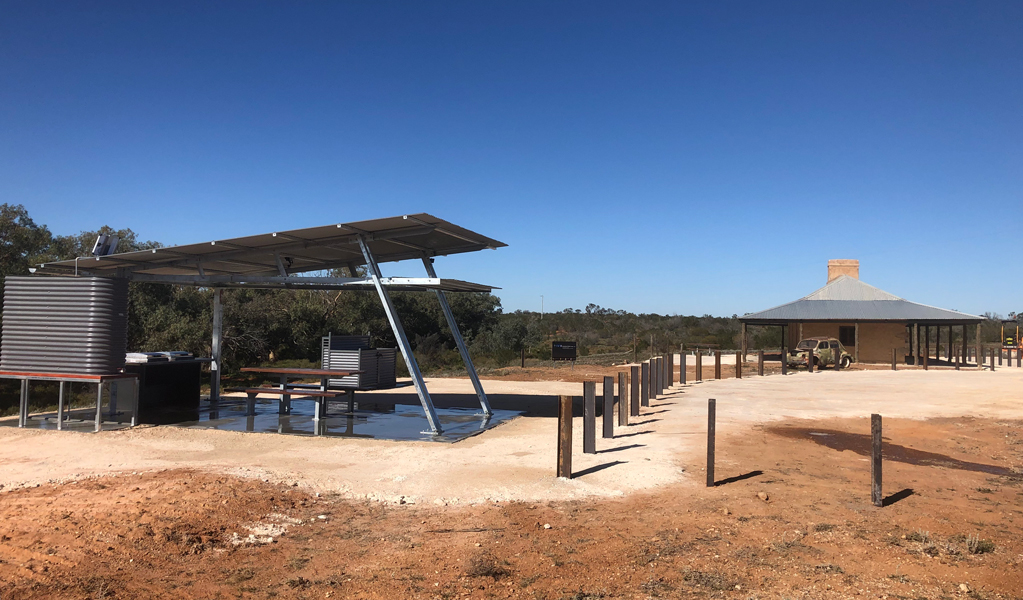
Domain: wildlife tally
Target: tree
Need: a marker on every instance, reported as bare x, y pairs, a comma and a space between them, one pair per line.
22, 242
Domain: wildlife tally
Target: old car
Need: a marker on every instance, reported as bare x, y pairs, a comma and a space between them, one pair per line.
825, 350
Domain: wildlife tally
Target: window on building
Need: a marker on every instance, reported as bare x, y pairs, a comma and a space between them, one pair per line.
847, 335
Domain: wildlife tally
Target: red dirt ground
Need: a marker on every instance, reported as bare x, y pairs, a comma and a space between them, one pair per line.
168, 534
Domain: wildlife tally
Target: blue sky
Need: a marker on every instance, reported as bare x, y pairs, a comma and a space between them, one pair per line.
656, 157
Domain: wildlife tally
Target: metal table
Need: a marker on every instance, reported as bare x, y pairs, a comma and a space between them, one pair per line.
63, 378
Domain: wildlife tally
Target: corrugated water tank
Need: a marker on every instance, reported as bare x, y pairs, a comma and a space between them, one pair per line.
64, 325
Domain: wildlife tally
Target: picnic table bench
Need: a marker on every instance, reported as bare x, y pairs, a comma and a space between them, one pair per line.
286, 392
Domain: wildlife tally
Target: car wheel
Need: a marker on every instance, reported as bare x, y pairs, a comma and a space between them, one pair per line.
846, 361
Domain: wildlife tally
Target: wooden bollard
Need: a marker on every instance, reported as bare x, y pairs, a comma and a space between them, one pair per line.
760, 363
738, 365
665, 374
699, 365
875, 460
522, 357
784, 361
957, 360
609, 407
644, 391
999, 351
837, 354
711, 417
992, 355
651, 381
682, 368
1019, 357
926, 360
894, 362
634, 391
589, 417
565, 437
671, 369
623, 400
655, 378
809, 361
717, 364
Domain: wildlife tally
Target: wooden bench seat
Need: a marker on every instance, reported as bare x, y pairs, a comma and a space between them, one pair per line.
287, 394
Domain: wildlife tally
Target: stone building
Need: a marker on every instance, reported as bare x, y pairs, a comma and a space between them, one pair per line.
868, 321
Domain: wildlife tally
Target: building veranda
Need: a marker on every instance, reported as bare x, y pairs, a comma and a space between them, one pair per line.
868, 321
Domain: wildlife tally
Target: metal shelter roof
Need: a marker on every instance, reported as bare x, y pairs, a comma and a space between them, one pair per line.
273, 259
849, 299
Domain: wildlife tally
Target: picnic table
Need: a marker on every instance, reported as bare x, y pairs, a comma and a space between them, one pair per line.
285, 391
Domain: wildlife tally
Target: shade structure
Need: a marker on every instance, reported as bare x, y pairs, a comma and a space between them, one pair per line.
285, 253
279, 260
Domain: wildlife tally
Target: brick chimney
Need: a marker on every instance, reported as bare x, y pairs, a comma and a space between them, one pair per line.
843, 266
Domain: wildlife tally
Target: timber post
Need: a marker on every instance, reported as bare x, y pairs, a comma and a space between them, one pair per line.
565, 437
711, 417
875, 461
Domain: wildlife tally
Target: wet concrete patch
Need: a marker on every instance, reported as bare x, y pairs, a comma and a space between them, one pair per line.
860, 443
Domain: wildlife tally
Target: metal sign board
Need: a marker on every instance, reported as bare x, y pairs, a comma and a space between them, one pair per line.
563, 351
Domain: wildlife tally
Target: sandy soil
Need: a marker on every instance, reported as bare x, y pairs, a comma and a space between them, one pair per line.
162, 512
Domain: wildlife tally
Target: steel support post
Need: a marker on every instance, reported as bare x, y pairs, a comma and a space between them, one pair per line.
23, 404
218, 338
134, 401
60, 406
99, 405
399, 334
457, 335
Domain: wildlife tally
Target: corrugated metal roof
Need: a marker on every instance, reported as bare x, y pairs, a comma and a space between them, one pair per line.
296, 251
850, 288
849, 299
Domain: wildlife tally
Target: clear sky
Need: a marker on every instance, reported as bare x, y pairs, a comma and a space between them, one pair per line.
669, 157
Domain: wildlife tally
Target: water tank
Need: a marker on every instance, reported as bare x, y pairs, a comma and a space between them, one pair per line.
64, 325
